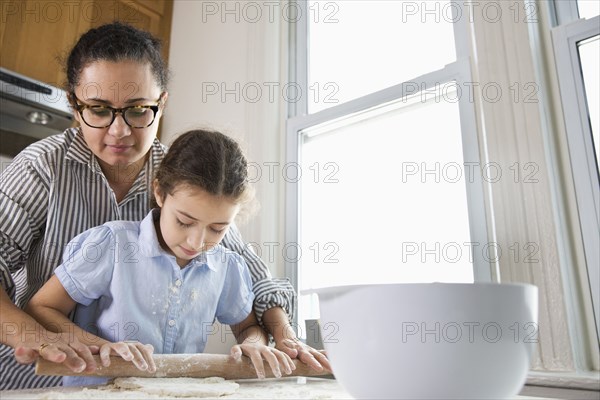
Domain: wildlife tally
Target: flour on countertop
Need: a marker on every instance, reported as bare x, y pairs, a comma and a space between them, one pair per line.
179, 387
282, 388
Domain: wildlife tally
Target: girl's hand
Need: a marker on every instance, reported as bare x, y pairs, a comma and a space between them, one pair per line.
294, 348
277, 360
140, 354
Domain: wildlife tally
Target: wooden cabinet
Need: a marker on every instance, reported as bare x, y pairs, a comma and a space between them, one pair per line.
36, 35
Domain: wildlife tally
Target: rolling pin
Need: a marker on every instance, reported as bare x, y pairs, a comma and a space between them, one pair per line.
178, 365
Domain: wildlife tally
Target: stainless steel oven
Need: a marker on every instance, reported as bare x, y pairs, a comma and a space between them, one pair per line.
29, 110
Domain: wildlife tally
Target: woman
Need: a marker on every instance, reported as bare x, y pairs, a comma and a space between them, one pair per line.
101, 171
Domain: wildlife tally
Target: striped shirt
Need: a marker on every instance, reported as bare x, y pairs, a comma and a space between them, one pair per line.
53, 191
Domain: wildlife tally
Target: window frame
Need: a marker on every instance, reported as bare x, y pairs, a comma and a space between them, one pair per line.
570, 30
568, 350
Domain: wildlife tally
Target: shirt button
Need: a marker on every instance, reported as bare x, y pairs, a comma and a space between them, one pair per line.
171, 322
178, 283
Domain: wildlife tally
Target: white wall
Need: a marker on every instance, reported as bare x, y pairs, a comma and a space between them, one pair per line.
230, 51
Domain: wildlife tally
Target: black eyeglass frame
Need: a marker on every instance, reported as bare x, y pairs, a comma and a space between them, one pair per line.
80, 106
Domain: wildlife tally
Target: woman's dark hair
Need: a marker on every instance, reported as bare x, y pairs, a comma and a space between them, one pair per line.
115, 42
206, 159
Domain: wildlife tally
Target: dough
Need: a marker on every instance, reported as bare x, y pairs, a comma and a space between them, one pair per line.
77, 393
179, 387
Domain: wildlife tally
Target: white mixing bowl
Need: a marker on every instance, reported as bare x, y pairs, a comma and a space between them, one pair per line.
438, 340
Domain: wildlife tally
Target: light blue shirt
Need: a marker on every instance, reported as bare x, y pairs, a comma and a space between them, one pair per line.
129, 288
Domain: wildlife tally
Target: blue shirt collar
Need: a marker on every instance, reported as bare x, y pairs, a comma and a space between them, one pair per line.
150, 246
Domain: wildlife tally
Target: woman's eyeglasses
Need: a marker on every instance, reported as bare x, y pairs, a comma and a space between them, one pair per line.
104, 116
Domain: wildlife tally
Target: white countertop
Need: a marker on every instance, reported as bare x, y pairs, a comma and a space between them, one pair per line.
283, 388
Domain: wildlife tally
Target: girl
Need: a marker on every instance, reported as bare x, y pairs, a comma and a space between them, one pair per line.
164, 280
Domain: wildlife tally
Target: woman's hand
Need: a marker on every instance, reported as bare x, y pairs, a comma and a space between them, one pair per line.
32, 341
294, 348
276, 359
74, 354
140, 354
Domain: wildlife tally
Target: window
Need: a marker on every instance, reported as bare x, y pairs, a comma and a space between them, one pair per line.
391, 181
391, 193
577, 52
349, 41
544, 136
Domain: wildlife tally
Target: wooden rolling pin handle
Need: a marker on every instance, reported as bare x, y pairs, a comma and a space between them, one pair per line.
177, 365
